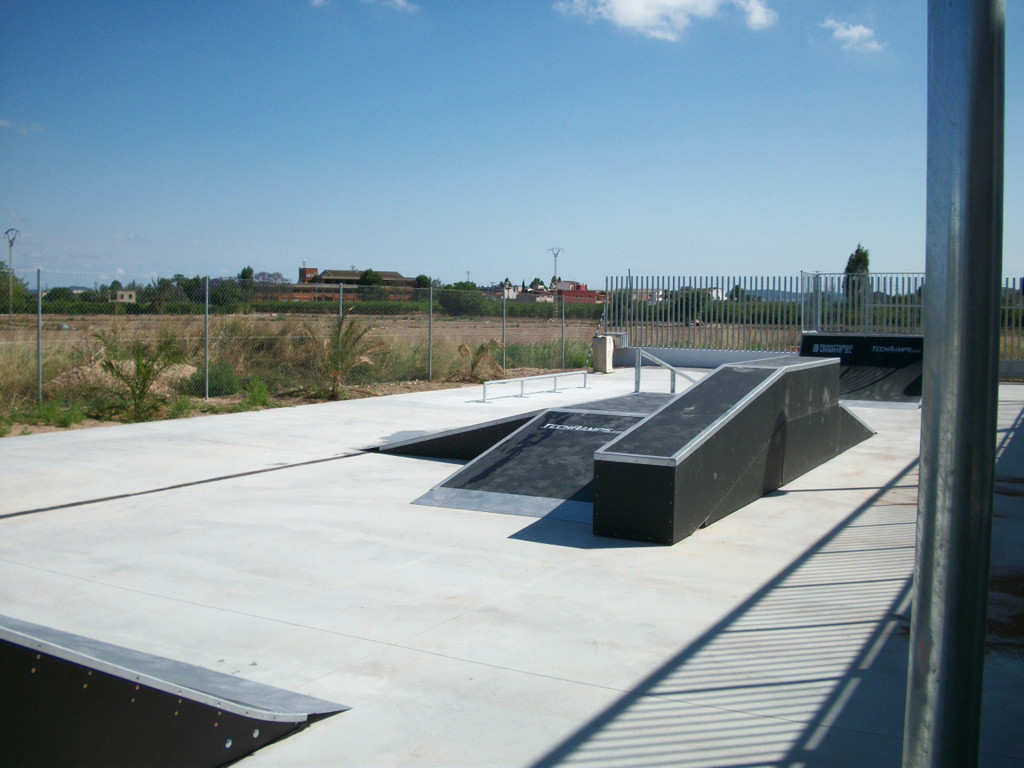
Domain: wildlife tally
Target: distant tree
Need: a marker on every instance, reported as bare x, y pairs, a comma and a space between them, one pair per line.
162, 291
737, 293
58, 295
270, 277
225, 293
856, 268
537, 283
246, 285
13, 289
692, 304
370, 277
194, 288
115, 285
461, 299
421, 281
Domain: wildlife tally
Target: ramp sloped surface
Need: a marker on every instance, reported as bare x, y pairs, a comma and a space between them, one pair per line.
547, 465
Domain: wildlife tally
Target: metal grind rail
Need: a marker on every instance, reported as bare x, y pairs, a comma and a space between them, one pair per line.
642, 354
523, 379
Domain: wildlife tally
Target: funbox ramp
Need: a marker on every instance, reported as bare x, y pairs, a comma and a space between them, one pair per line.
70, 700
657, 467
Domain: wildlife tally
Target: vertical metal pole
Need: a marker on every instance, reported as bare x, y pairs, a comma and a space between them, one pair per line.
504, 306
206, 338
341, 302
39, 333
959, 396
563, 331
430, 338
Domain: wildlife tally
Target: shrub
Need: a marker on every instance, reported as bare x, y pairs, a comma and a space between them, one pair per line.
256, 393
461, 303
135, 367
223, 381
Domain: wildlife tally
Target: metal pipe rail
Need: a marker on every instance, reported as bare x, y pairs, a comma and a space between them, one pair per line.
522, 379
641, 354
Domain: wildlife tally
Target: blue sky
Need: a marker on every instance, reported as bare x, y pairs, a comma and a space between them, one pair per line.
743, 137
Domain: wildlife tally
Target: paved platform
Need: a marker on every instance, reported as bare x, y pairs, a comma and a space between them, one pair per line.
269, 546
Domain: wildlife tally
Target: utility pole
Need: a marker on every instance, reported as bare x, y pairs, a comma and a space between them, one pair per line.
11, 235
554, 275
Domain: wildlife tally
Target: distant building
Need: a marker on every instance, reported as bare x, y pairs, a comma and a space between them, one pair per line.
122, 297
352, 276
576, 293
536, 297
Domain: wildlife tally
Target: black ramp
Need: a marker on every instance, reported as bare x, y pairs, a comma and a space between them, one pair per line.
547, 466
72, 701
552, 457
872, 368
743, 431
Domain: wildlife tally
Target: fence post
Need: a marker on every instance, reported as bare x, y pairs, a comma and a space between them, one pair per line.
563, 331
206, 338
341, 302
504, 299
39, 333
430, 337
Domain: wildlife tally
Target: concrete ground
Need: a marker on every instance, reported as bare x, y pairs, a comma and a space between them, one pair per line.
269, 546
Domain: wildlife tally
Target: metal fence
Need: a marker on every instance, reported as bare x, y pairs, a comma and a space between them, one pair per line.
889, 304
771, 314
703, 312
57, 329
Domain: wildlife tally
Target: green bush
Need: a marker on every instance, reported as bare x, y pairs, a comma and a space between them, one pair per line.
256, 393
223, 381
461, 303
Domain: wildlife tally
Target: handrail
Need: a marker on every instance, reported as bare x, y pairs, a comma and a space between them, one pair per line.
521, 379
642, 353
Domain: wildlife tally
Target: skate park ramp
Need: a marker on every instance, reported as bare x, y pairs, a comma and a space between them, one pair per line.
872, 369
655, 468
74, 701
545, 467
740, 433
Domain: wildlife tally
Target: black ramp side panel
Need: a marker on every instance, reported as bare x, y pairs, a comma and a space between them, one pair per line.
552, 457
460, 444
79, 706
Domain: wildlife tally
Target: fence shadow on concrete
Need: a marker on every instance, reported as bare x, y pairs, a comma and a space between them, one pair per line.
809, 671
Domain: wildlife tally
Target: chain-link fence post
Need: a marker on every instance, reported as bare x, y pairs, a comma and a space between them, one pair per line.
206, 338
430, 337
39, 333
341, 302
563, 331
504, 300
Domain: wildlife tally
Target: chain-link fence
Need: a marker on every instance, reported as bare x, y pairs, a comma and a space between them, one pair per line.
61, 335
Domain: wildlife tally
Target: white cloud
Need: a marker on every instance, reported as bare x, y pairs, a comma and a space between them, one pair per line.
853, 37
24, 130
398, 5
664, 19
